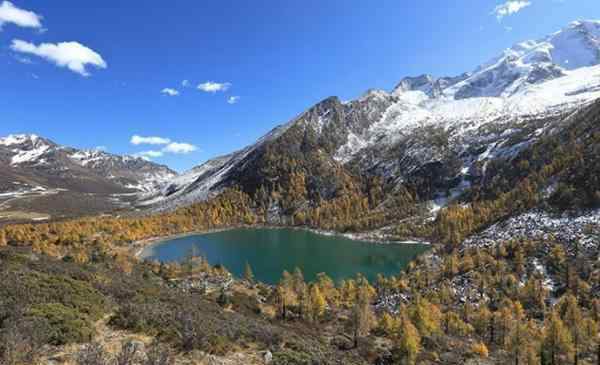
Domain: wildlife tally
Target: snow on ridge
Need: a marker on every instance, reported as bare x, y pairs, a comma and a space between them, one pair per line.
30, 155
576, 88
532, 79
84, 157
15, 139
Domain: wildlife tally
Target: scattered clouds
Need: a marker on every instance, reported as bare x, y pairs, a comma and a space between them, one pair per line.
147, 155
233, 99
213, 87
100, 148
72, 55
510, 7
169, 91
20, 17
186, 83
179, 148
138, 140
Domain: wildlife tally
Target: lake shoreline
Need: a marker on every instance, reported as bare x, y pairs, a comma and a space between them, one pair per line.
139, 246
271, 250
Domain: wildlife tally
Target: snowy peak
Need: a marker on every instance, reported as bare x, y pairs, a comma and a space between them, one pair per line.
424, 83
18, 139
533, 62
28, 141
576, 46
526, 63
573, 47
33, 155
25, 148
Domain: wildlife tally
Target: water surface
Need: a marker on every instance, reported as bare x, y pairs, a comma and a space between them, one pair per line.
270, 251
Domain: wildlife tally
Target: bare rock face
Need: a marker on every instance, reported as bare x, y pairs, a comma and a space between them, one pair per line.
268, 357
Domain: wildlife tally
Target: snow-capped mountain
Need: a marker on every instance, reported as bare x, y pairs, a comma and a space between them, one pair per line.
524, 64
533, 62
31, 152
35, 168
441, 130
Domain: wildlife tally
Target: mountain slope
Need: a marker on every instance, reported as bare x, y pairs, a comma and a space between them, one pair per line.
43, 177
430, 140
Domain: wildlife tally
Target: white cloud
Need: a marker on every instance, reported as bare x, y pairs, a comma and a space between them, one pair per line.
137, 140
170, 147
510, 7
147, 155
213, 87
20, 17
186, 83
179, 148
169, 91
233, 99
72, 55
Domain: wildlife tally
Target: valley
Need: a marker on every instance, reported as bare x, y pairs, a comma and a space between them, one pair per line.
498, 168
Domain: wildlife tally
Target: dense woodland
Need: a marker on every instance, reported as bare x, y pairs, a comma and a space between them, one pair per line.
477, 305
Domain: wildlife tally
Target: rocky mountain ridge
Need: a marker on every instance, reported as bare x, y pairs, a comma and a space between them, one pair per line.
437, 136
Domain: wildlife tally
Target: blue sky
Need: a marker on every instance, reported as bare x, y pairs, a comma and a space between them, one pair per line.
276, 57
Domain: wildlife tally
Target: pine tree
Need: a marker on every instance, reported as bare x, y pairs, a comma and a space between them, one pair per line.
304, 303
286, 296
348, 292
387, 324
362, 315
426, 317
328, 289
518, 341
573, 319
557, 339
408, 343
298, 283
317, 303
248, 274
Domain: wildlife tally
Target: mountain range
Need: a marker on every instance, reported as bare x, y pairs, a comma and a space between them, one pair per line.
41, 179
456, 124
436, 141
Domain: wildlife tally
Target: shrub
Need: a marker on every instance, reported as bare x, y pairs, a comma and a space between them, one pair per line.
289, 357
67, 325
480, 349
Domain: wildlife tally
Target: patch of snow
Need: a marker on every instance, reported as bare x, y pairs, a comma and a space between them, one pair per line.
548, 283
23, 156
540, 225
16, 139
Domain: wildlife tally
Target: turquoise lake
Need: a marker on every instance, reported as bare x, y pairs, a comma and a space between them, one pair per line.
270, 251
